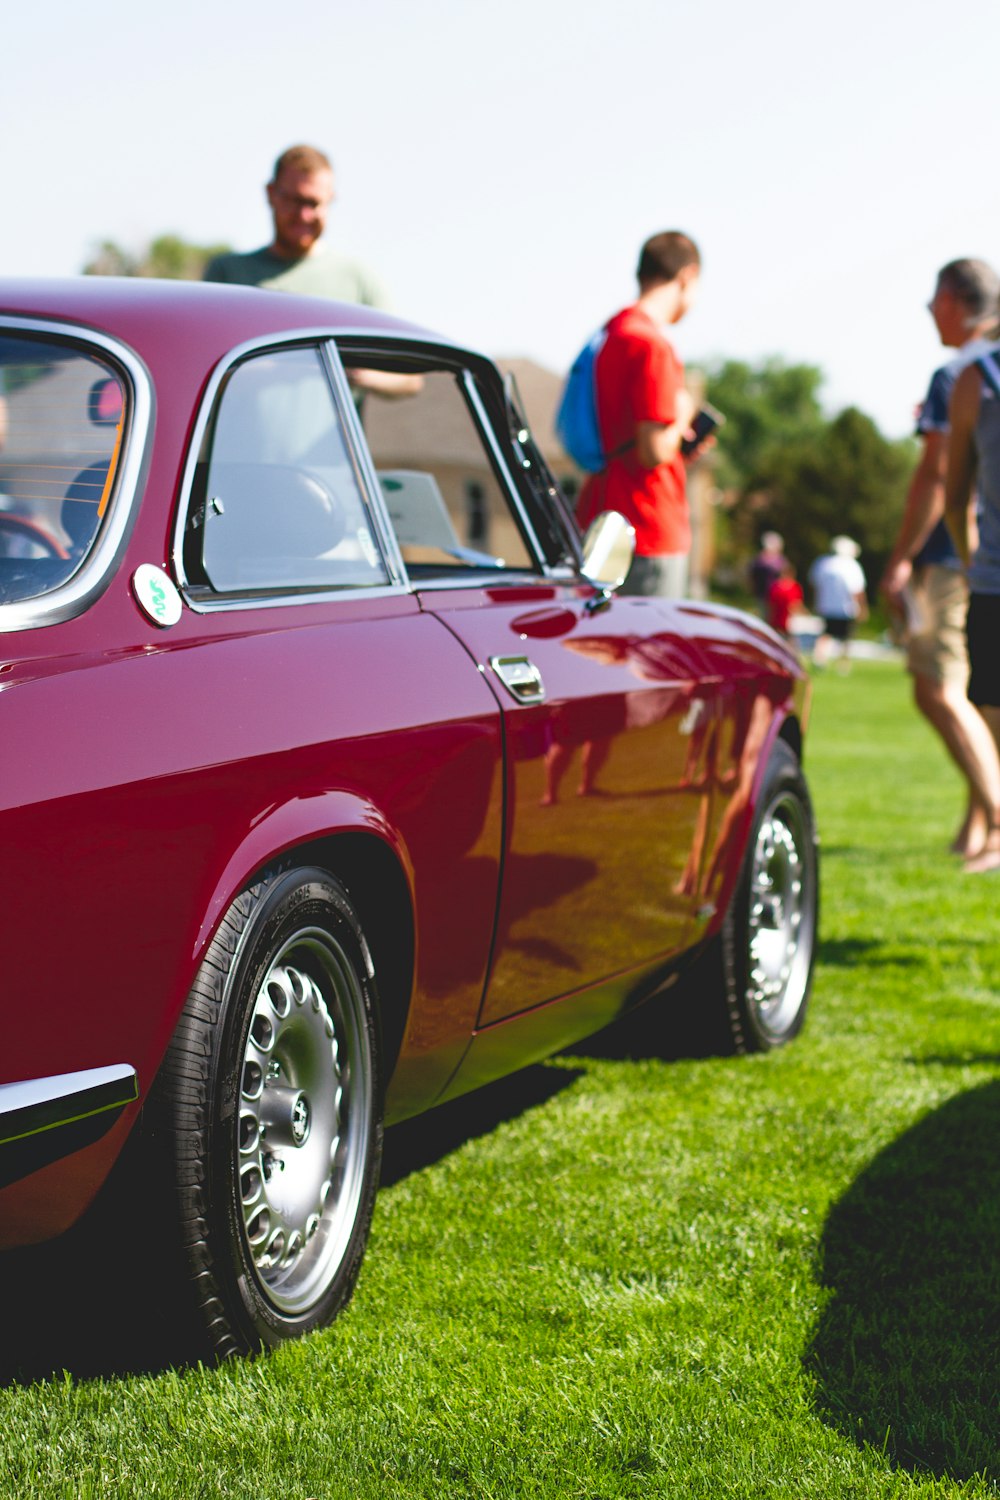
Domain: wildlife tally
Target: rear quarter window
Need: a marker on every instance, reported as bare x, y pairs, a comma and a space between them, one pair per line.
62, 414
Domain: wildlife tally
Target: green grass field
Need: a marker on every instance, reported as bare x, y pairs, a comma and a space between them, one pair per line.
630, 1275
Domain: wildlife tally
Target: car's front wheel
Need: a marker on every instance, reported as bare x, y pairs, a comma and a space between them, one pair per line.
768, 940
264, 1127
748, 990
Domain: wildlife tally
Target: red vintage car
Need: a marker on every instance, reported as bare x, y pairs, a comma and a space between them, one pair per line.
339, 781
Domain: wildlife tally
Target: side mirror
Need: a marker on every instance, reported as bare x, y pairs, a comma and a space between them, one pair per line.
608, 550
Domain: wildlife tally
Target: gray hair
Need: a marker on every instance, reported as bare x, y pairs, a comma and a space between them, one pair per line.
976, 285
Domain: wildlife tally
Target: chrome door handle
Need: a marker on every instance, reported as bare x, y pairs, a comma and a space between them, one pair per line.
520, 677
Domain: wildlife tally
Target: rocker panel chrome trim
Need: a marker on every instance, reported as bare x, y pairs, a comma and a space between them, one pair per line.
37, 1105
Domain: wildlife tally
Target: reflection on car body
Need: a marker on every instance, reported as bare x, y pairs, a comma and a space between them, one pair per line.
346, 780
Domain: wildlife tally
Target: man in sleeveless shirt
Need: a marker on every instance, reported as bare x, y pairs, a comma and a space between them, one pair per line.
974, 463
924, 579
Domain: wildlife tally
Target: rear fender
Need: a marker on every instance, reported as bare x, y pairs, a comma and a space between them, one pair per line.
289, 826
300, 821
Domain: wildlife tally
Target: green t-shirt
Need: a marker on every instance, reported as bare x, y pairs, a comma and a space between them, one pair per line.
322, 274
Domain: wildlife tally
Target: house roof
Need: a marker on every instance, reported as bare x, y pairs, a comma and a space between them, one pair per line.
434, 429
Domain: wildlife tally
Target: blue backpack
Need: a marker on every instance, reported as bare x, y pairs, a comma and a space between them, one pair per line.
577, 426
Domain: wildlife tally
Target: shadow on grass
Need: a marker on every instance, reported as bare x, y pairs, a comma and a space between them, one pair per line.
89, 1306
80, 1305
428, 1138
956, 1060
846, 952
671, 1027
907, 1353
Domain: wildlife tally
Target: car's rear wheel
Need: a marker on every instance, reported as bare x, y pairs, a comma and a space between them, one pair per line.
264, 1126
767, 945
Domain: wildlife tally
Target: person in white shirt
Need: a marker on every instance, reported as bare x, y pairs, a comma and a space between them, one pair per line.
839, 598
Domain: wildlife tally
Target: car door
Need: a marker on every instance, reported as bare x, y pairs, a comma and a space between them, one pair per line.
602, 711
347, 710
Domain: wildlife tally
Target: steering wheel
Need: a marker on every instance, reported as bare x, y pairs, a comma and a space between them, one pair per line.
31, 530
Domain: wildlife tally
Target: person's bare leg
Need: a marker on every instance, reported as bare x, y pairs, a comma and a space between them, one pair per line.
972, 832
595, 753
989, 858
557, 759
968, 740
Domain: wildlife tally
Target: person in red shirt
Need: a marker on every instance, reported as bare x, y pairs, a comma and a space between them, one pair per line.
644, 413
784, 599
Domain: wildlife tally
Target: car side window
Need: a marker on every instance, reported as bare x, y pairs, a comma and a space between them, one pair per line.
276, 502
449, 508
62, 420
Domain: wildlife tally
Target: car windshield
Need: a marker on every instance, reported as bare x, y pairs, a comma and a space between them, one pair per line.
61, 420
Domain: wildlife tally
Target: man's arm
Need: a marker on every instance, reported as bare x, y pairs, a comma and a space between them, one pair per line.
657, 442
386, 382
962, 463
924, 508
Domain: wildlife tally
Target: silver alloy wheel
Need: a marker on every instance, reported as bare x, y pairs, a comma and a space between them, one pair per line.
782, 917
306, 1099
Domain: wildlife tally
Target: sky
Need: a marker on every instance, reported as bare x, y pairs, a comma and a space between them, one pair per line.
499, 165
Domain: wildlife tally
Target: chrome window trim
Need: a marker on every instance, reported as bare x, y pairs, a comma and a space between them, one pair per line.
475, 578
79, 592
202, 604
500, 459
364, 466
318, 339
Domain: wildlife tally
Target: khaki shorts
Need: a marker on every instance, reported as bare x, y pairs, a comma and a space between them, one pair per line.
937, 607
662, 575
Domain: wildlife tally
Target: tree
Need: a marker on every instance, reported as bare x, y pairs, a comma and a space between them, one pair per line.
764, 405
784, 466
848, 479
167, 256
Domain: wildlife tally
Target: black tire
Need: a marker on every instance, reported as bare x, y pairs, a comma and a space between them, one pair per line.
749, 990
767, 945
263, 1132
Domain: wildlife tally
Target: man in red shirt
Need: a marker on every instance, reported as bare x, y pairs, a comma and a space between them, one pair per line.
644, 412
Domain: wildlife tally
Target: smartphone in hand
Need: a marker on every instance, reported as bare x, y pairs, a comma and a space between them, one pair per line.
705, 422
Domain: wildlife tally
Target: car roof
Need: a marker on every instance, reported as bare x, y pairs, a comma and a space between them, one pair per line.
205, 318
